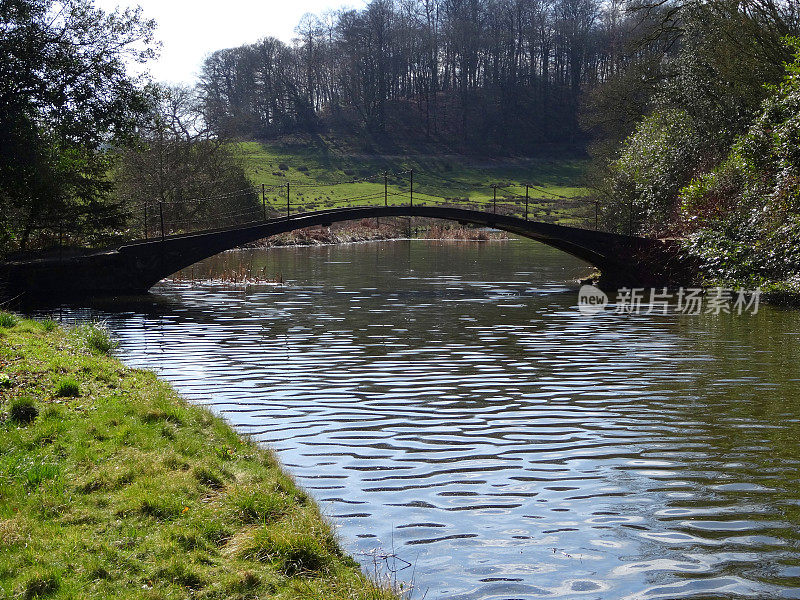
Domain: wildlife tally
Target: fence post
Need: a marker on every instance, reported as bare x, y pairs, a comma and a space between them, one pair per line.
385, 189
145, 220
494, 199
264, 201
596, 215
630, 217
161, 215
288, 209
412, 188
526, 201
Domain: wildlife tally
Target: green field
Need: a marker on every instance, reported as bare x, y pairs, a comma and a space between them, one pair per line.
111, 486
320, 177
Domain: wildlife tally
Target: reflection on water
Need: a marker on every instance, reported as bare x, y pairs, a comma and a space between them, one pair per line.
448, 401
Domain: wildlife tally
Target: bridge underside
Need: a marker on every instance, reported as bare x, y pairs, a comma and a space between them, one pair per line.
134, 268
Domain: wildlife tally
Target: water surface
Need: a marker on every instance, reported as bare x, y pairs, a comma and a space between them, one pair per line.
446, 402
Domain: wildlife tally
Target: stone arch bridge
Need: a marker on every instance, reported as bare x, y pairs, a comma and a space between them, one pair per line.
133, 268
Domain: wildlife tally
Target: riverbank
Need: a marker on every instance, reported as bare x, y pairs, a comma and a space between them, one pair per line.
112, 486
374, 230
714, 270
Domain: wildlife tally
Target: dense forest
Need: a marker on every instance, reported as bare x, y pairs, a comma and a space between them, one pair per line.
482, 76
688, 108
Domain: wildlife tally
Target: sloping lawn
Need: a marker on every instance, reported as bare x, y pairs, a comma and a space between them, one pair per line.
111, 486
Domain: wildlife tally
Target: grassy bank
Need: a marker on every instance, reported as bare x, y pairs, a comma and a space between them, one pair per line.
111, 486
315, 166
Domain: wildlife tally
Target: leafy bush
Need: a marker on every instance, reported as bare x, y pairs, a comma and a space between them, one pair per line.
745, 214
68, 388
657, 160
23, 411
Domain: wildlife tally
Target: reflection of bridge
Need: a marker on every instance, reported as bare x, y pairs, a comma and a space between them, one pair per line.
134, 267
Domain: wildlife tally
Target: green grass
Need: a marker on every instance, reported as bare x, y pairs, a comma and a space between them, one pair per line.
22, 411
94, 336
312, 168
7, 320
68, 388
126, 491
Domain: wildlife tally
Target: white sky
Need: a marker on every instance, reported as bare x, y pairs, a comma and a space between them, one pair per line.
191, 29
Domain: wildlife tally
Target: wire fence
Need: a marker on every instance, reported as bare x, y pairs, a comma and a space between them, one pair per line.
153, 219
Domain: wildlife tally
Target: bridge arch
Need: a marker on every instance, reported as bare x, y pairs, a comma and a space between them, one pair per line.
157, 259
135, 267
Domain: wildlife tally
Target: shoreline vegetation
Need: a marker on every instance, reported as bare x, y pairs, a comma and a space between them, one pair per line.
111, 485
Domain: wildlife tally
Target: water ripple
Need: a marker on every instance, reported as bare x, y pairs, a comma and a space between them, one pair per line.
449, 401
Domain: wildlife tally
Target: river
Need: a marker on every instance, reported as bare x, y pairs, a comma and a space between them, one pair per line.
446, 403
